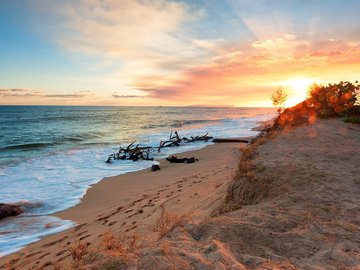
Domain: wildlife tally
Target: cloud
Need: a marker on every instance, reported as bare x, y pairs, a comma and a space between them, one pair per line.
41, 94
139, 36
126, 96
153, 46
66, 96
230, 74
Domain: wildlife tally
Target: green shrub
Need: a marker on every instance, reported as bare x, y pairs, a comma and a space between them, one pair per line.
352, 119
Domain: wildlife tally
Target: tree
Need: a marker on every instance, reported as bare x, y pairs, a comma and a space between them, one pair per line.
279, 98
333, 99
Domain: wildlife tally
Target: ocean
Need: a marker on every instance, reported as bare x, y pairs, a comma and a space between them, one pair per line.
50, 155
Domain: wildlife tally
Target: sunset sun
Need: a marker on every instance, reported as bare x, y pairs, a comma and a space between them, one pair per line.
297, 89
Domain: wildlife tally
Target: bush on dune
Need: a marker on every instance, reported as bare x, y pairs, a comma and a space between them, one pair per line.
334, 99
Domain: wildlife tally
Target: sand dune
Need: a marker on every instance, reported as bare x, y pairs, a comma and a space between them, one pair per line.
310, 218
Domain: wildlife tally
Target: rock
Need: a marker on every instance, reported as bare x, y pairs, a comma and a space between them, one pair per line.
8, 210
155, 168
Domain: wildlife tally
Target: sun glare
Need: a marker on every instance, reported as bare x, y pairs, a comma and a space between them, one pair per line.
297, 90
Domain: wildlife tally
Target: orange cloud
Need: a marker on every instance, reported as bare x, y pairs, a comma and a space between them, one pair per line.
249, 72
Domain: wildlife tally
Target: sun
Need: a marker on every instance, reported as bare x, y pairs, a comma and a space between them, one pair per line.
297, 90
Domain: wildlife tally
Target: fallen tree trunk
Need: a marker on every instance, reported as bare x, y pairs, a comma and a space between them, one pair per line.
230, 140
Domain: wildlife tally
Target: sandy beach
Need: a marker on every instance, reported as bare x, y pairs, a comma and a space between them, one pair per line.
296, 207
132, 202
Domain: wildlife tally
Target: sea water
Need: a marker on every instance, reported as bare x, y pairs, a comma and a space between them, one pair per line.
50, 155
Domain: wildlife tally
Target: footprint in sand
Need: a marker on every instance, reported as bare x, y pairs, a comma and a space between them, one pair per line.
51, 243
78, 227
81, 233
63, 258
84, 237
106, 221
61, 252
132, 228
42, 256
217, 186
47, 264
103, 218
32, 254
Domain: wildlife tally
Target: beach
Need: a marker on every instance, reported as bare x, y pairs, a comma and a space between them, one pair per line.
131, 202
55, 154
297, 207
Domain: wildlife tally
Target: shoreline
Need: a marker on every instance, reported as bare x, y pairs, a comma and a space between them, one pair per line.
112, 195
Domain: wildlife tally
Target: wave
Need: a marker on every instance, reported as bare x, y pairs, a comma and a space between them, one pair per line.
27, 146
57, 141
28, 206
180, 123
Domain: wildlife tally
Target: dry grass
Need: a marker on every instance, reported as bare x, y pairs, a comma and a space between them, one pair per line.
78, 253
122, 246
249, 186
169, 221
57, 266
165, 248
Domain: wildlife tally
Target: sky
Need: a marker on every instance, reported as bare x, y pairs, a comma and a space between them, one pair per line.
173, 53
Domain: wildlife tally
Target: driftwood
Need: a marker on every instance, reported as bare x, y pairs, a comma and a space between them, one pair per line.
174, 159
224, 140
204, 138
137, 152
131, 152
